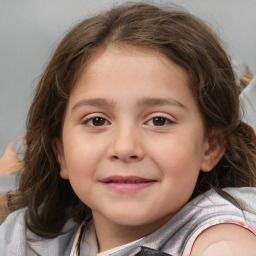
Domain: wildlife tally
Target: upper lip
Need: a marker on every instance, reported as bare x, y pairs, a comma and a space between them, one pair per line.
125, 179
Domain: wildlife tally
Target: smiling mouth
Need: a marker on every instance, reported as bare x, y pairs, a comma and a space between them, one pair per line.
125, 179
127, 183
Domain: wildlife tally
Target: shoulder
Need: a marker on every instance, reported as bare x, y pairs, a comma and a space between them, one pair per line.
12, 232
16, 239
14, 221
220, 224
226, 240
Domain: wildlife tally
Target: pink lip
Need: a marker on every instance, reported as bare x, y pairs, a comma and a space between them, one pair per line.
126, 183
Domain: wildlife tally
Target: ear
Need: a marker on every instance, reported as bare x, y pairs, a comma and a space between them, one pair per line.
58, 149
215, 147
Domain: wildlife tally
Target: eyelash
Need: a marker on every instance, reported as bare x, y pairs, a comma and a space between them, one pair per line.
159, 119
94, 118
154, 121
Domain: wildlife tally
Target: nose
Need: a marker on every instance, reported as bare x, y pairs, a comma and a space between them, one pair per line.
126, 145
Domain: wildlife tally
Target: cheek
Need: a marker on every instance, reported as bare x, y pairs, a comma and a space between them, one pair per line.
82, 161
82, 158
179, 157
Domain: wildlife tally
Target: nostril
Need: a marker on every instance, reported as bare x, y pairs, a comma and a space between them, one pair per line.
131, 157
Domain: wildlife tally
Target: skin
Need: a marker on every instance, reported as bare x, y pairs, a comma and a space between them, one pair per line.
123, 91
9, 162
227, 240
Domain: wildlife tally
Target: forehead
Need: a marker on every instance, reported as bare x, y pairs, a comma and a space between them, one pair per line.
139, 62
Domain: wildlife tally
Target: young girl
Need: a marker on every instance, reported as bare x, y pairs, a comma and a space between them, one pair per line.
134, 145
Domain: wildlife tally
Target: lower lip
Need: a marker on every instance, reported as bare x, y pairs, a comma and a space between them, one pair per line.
128, 187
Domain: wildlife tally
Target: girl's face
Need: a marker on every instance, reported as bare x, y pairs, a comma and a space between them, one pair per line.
133, 139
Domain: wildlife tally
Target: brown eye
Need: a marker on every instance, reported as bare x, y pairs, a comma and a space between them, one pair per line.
96, 121
159, 121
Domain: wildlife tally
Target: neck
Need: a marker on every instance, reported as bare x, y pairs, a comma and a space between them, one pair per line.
111, 235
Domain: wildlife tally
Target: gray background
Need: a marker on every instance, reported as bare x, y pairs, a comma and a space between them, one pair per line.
30, 29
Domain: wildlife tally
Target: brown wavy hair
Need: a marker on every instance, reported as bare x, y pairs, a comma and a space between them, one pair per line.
179, 36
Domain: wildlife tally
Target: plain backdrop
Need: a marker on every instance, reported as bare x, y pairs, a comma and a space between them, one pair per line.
30, 30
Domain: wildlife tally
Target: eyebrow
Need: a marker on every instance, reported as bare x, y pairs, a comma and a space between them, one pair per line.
148, 102
98, 102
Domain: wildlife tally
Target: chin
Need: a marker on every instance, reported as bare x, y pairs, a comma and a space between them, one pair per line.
138, 220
